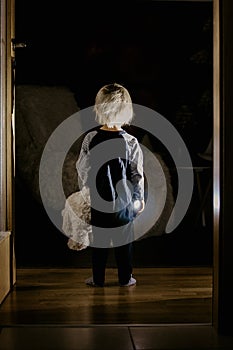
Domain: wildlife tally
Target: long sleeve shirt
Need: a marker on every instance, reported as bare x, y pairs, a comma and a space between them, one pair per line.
110, 163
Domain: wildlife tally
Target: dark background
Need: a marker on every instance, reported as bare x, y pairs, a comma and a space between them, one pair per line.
162, 52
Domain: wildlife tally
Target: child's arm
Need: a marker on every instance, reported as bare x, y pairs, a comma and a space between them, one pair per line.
137, 177
83, 164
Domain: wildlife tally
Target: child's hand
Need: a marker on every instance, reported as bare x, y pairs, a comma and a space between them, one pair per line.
139, 206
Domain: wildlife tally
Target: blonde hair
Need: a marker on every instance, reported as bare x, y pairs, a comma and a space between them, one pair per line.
113, 105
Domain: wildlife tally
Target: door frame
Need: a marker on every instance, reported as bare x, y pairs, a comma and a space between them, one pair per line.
7, 111
7, 139
216, 159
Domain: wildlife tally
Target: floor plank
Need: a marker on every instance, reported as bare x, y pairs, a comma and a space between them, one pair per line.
63, 338
60, 296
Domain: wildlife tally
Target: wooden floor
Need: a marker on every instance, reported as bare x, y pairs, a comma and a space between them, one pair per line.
60, 297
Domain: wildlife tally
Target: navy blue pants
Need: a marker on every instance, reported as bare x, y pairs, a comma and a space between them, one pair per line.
123, 256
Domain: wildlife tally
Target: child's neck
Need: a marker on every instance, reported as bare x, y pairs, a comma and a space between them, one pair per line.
112, 128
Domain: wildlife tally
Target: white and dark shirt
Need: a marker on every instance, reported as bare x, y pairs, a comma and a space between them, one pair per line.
110, 163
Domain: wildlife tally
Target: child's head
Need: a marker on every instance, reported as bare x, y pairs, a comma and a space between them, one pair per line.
113, 106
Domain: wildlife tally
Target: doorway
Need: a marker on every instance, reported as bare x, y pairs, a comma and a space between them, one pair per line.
180, 90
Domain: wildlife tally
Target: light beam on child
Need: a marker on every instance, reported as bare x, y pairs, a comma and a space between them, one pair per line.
65, 135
